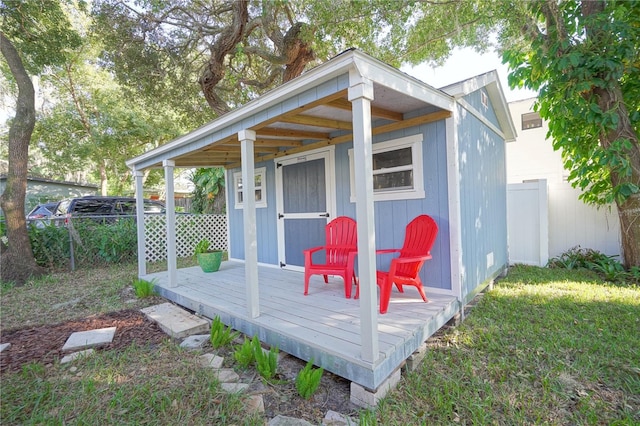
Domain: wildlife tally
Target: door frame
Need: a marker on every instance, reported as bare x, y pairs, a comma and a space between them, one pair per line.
328, 153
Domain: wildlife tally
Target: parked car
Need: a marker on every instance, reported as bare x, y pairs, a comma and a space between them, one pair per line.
103, 209
41, 213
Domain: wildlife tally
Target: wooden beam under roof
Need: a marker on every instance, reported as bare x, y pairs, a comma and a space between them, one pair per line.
386, 128
344, 104
309, 120
291, 133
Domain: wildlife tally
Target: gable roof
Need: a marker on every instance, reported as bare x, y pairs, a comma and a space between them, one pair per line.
491, 83
307, 112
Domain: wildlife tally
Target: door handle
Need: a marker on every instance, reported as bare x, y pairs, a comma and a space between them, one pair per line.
324, 215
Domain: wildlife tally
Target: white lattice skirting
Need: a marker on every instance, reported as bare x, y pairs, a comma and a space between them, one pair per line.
190, 229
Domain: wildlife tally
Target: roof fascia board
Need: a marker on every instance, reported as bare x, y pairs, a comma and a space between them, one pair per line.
339, 65
491, 82
387, 76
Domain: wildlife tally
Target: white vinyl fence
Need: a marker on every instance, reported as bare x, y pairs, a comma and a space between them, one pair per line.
190, 229
545, 220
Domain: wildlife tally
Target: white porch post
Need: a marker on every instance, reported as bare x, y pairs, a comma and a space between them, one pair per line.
247, 138
142, 260
170, 202
361, 95
455, 215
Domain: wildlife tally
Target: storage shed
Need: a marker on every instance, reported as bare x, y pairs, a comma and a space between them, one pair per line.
352, 137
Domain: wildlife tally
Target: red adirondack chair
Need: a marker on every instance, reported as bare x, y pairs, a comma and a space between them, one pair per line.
340, 251
420, 234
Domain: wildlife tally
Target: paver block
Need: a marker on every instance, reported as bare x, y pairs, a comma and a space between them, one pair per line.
175, 321
5, 346
234, 387
254, 404
227, 375
366, 398
90, 338
211, 360
281, 420
72, 357
416, 358
333, 418
196, 341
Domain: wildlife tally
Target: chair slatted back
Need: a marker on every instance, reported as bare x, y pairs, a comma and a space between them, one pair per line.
341, 239
420, 234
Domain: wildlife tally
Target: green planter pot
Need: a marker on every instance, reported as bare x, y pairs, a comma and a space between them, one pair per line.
210, 261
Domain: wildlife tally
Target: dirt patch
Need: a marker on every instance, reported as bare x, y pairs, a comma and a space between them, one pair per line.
43, 344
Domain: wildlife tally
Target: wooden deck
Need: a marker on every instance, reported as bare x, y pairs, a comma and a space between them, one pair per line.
324, 325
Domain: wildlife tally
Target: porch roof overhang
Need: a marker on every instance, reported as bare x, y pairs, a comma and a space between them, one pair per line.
308, 112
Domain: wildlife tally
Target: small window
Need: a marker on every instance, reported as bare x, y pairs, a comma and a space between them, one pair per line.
260, 188
531, 120
397, 169
484, 99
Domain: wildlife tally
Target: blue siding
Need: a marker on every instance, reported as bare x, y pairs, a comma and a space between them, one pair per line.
266, 222
393, 216
482, 200
475, 100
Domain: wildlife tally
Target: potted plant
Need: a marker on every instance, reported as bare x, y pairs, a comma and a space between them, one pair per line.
209, 259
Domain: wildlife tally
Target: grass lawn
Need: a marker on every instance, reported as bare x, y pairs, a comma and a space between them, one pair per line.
545, 346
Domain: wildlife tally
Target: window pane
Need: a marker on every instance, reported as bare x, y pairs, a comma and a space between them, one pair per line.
394, 180
395, 158
240, 198
531, 120
258, 180
239, 183
258, 194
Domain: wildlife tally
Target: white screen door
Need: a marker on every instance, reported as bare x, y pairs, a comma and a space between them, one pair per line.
305, 200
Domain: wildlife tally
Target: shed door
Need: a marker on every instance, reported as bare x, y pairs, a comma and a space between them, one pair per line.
305, 193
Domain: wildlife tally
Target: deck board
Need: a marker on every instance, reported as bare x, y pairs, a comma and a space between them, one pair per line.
324, 325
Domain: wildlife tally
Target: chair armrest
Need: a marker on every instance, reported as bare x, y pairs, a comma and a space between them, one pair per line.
313, 250
387, 251
412, 259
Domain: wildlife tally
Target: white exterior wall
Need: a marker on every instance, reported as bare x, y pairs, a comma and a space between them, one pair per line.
571, 223
531, 156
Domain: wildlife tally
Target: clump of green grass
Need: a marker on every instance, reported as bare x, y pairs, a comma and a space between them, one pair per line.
244, 354
144, 288
266, 361
221, 335
308, 380
545, 346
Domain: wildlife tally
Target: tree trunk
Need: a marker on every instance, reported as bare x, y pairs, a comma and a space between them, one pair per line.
17, 263
629, 210
611, 99
104, 187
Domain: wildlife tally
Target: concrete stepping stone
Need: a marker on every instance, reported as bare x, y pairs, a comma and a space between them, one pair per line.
76, 355
234, 387
254, 404
4, 346
196, 341
227, 375
333, 418
211, 360
281, 420
88, 339
175, 321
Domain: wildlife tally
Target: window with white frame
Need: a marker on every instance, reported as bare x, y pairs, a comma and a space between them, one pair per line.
260, 188
397, 169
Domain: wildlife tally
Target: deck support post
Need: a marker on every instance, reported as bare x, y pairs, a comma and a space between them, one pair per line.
170, 205
142, 260
360, 96
247, 139
455, 215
